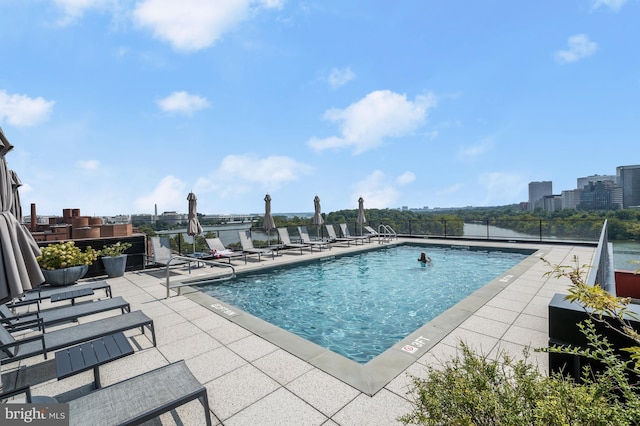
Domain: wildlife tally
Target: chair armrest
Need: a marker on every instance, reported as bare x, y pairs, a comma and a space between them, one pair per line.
24, 325
17, 391
25, 340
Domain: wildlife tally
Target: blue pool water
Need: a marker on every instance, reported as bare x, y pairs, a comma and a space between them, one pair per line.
360, 305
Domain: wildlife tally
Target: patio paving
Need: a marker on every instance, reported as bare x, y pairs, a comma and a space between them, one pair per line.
251, 380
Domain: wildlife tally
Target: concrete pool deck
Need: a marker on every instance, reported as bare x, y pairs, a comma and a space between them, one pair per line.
257, 374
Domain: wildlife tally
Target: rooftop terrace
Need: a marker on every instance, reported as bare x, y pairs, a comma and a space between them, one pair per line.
254, 377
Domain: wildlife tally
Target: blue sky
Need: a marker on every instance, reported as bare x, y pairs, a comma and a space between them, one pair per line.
117, 106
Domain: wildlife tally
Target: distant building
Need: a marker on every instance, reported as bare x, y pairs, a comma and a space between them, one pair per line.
598, 195
537, 192
571, 198
629, 180
584, 181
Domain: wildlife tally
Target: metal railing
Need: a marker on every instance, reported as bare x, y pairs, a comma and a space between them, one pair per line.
190, 281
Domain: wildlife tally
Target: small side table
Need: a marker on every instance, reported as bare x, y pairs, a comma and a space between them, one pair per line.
92, 355
71, 294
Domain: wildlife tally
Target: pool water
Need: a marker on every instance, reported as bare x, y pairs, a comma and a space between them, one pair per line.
360, 305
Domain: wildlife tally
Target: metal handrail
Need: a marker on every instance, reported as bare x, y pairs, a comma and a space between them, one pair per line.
191, 259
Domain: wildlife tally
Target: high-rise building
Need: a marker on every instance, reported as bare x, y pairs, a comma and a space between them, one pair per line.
629, 180
584, 181
537, 192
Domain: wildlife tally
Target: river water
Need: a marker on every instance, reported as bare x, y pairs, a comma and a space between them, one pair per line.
623, 251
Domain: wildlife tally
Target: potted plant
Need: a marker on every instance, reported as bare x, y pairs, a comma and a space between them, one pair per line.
114, 258
65, 263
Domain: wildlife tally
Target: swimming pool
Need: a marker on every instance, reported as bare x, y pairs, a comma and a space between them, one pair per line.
360, 305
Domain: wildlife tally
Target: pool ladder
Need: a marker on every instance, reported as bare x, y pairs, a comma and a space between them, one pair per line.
386, 233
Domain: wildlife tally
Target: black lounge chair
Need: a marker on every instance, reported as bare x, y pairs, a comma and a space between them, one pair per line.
12, 349
65, 313
285, 239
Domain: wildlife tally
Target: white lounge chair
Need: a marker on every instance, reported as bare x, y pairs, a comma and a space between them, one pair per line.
218, 250
163, 255
304, 236
345, 234
283, 236
248, 249
331, 232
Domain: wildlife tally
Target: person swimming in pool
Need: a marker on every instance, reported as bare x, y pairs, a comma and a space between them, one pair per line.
424, 259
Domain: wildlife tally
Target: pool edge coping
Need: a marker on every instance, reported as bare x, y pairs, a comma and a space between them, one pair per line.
377, 373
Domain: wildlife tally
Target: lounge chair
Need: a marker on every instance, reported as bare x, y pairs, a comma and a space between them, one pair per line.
345, 234
249, 249
218, 250
163, 255
45, 292
331, 232
141, 398
283, 236
65, 313
133, 401
304, 236
12, 349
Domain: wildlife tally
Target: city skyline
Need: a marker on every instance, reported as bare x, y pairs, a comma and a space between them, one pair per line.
116, 107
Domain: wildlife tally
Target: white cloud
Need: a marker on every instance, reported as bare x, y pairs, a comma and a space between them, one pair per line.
379, 115
472, 152
377, 190
406, 178
183, 103
169, 195
340, 77
238, 174
23, 111
88, 164
501, 187
191, 25
74, 9
579, 46
614, 5
451, 189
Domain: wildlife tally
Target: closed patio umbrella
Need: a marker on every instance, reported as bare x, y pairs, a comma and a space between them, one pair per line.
361, 219
268, 223
194, 227
19, 269
317, 215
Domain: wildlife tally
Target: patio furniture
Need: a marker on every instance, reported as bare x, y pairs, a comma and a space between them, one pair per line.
162, 254
248, 249
304, 236
65, 313
345, 234
91, 355
140, 398
283, 235
333, 237
12, 349
132, 401
45, 292
218, 250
